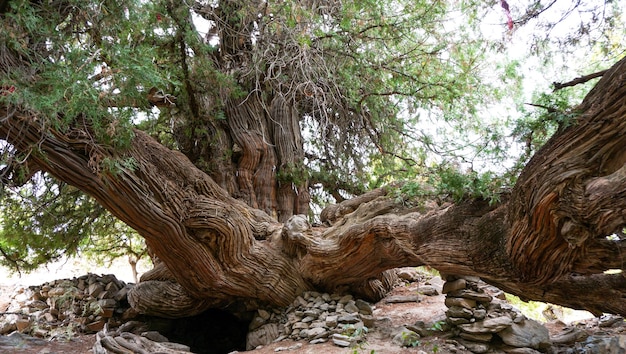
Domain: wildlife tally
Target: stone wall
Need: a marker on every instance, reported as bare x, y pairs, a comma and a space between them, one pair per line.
61, 307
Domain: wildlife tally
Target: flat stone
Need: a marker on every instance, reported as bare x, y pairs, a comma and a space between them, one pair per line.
300, 325
317, 332
427, 290
364, 307
455, 321
107, 303
308, 319
368, 320
121, 294
528, 333
490, 325
480, 314
454, 285
476, 337
471, 294
22, 324
351, 307
299, 301
350, 318
341, 343
264, 314
461, 302
331, 321
570, 335
409, 274
58, 291
49, 317
458, 311
476, 347
344, 299
341, 340
317, 324
96, 326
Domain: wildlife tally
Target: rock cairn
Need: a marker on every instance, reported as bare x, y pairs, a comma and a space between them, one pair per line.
483, 320
316, 318
59, 308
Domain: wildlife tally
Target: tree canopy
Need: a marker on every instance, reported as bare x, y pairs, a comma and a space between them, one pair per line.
286, 106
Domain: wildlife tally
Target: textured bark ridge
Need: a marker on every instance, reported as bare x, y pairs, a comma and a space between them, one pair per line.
546, 241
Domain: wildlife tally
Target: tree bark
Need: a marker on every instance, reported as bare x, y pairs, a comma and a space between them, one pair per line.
546, 241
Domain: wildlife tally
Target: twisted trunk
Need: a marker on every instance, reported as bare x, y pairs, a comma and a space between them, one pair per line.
546, 241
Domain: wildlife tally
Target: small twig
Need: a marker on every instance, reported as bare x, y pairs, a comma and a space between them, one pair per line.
89, 60
549, 109
578, 80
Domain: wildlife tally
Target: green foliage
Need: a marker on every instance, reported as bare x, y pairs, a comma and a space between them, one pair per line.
438, 326
45, 222
447, 181
532, 309
97, 70
551, 113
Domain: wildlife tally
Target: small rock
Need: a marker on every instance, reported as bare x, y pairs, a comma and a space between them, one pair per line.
308, 319
96, 326
364, 307
331, 321
317, 332
408, 273
341, 340
480, 314
344, 299
300, 325
22, 324
368, 320
351, 307
406, 338
350, 318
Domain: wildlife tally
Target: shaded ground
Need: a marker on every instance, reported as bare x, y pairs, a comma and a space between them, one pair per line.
390, 317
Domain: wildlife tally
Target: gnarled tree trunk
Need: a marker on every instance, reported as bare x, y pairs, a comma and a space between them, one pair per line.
545, 241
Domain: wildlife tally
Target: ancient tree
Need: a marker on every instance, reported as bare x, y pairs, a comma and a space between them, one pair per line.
218, 188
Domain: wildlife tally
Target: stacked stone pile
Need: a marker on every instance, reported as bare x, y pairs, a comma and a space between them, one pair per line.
61, 307
485, 321
314, 317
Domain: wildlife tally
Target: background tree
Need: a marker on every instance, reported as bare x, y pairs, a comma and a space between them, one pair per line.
357, 82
